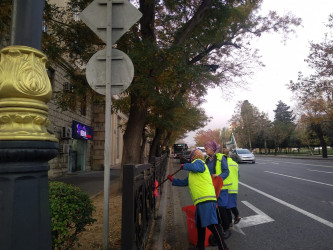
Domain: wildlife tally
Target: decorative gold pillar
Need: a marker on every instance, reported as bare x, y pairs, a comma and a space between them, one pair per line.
25, 89
25, 149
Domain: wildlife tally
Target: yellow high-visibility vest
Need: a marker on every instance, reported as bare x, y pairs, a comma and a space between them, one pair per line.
233, 174
227, 182
201, 186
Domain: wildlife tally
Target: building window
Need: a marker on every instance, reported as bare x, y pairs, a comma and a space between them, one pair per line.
68, 87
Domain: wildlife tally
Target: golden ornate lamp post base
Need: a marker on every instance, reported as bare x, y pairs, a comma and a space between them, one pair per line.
24, 91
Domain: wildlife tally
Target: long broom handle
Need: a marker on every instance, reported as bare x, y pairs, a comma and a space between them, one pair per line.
168, 178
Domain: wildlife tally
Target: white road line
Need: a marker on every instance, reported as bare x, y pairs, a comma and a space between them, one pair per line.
305, 164
312, 216
253, 220
300, 178
320, 171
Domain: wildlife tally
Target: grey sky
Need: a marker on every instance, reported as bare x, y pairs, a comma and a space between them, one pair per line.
283, 62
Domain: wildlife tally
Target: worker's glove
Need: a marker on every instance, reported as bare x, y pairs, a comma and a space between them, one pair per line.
170, 177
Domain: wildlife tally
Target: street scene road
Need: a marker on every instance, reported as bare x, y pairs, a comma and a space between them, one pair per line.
285, 204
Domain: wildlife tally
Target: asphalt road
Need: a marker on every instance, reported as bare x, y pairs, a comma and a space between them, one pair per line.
285, 204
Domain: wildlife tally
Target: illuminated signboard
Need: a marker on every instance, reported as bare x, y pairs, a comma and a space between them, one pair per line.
82, 131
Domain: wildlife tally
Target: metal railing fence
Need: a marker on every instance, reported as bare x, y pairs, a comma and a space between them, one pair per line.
138, 202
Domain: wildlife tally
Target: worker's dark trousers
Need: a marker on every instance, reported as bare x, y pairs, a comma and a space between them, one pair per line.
234, 211
222, 216
216, 229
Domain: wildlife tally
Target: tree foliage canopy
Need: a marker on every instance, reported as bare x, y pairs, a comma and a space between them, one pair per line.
179, 49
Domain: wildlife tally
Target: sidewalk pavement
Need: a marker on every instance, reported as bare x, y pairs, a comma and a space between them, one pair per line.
169, 229
90, 182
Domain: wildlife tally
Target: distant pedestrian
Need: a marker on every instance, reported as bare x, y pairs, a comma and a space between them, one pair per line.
218, 166
233, 189
204, 198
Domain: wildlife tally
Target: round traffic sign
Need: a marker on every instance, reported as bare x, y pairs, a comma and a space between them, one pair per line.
121, 76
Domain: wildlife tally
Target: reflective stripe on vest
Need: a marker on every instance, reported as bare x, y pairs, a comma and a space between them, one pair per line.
201, 185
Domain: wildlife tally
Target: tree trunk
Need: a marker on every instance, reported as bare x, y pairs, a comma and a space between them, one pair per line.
155, 144
250, 144
167, 139
143, 146
319, 132
133, 133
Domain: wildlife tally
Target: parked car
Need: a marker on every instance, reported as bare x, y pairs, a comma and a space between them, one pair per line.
185, 157
242, 155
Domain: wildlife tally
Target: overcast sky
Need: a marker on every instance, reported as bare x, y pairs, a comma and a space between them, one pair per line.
282, 62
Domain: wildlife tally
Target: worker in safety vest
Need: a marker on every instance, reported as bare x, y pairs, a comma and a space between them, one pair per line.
232, 189
218, 166
203, 196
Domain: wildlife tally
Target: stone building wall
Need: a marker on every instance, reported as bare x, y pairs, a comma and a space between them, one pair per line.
60, 119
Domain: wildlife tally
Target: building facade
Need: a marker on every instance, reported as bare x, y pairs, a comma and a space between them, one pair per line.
80, 130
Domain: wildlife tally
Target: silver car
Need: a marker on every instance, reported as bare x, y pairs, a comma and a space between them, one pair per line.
242, 155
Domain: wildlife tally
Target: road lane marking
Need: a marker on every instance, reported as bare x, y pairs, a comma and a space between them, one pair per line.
302, 211
310, 164
300, 178
253, 220
306, 164
320, 171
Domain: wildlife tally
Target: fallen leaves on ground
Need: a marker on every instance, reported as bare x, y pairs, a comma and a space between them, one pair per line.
92, 238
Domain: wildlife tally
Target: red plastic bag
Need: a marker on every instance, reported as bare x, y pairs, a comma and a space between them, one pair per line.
218, 184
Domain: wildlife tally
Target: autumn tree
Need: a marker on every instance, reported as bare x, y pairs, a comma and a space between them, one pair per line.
178, 119
245, 119
180, 42
314, 93
202, 136
225, 136
263, 127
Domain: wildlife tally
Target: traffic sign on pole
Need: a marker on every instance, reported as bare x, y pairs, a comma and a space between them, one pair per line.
124, 15
121, 76
109, 19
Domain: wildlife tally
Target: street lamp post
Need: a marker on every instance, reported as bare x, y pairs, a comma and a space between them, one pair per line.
25, 144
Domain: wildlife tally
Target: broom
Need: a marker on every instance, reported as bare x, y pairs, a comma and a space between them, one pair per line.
170, 175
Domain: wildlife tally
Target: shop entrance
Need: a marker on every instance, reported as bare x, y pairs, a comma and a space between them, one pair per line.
77, 156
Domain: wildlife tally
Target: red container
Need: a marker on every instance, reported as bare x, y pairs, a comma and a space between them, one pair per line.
191, 228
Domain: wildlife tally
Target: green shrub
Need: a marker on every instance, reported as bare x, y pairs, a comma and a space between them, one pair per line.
70, 210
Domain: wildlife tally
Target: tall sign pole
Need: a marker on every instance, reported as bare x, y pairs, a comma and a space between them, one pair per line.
109, 71
107, 143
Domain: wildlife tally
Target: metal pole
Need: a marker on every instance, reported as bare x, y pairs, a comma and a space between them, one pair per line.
25, 147
26, 23
107, 143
